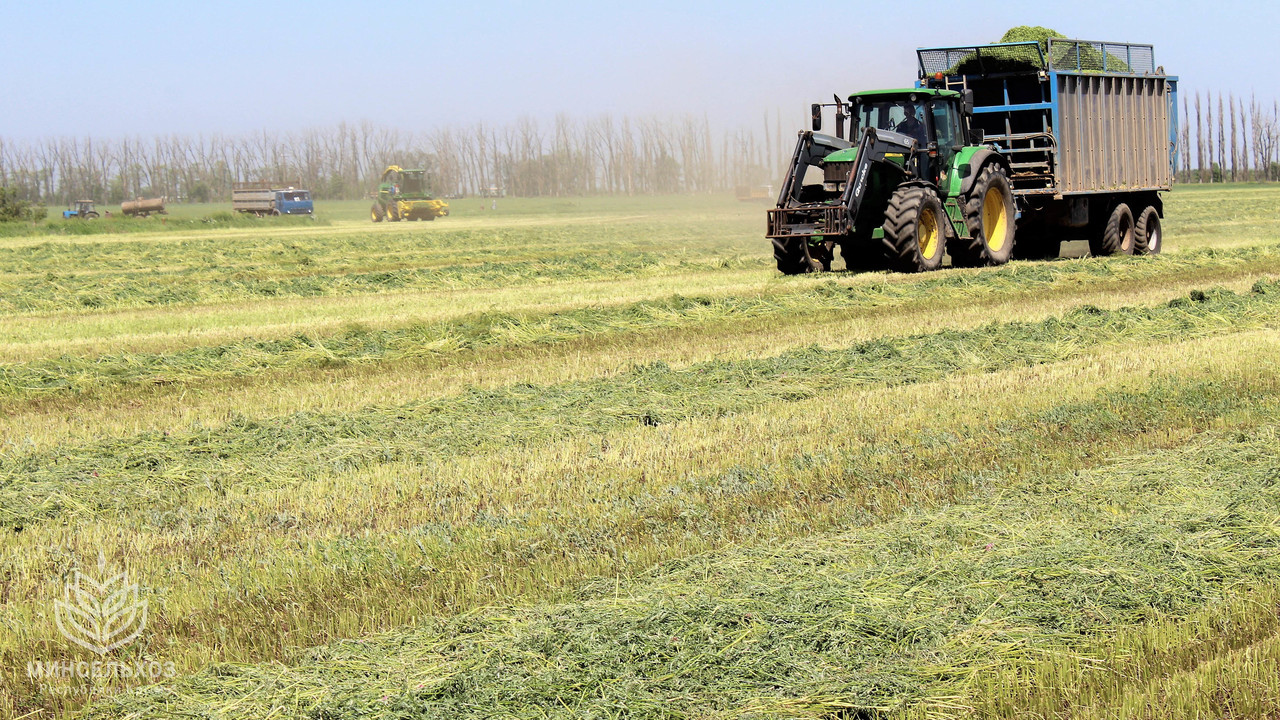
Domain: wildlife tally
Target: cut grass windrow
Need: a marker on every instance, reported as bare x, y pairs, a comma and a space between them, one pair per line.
241, 577
74, 374
187, 287
907, 616
58, 277
152, 470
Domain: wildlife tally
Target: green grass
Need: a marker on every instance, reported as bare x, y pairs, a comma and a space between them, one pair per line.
366, 345
906, 615
153, 471
595, 457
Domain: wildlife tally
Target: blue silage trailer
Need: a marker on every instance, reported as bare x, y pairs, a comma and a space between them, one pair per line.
1089, 130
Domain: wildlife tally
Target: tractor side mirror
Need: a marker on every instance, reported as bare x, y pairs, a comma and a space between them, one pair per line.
968, 102
815, 111
977, 136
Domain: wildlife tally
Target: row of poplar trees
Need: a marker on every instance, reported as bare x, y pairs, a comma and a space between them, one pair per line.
563, 157
1221, 138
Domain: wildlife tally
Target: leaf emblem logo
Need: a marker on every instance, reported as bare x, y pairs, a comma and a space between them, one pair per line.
101, 614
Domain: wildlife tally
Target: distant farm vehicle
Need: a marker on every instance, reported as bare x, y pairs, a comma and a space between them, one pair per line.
748, 193
261, 198
83, 211
402, 195
1026, 142
143, 207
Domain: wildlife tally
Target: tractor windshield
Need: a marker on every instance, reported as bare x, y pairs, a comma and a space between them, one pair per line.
411, 183
899, 115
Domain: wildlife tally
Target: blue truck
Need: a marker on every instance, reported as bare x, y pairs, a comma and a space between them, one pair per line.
266, 199
997, 150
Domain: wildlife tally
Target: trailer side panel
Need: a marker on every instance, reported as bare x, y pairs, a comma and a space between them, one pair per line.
1113, 133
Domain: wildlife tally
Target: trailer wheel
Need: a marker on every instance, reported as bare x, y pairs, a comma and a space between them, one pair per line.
376, 213
915, 229
1117, 235
1148, 237
989, 214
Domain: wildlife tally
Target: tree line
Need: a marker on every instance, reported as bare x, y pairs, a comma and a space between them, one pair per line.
1221, 138
1233, 143
566, 156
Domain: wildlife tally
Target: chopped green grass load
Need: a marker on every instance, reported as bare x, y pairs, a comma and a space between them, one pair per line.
906, 617
1018, 59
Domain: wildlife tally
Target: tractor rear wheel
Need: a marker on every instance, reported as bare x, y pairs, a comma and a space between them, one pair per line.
989, 214
393, 213
1117, 235
91, 215
915, 229
1148, 237
377, 213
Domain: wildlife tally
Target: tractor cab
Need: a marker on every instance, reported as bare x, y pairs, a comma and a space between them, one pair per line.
935, 119
84, 211
919, 131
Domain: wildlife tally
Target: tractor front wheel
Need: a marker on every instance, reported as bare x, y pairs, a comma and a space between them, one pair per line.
915, 229
377, 213
791, 256
989, 214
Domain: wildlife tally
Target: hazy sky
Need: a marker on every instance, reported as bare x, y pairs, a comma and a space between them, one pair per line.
146, 68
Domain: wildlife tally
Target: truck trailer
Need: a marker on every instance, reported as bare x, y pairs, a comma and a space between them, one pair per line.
997, 149
266, 199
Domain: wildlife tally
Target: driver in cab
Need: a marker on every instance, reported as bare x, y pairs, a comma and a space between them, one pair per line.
911, 124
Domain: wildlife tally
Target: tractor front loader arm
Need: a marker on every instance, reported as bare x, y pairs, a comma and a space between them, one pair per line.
876, 147
797, 217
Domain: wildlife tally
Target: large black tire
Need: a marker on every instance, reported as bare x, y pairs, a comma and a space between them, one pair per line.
915, 229
1117, 236
790, 254
863, 255
989, 215
1148, 236
377, 213
393, 212
91, 215
1035, 240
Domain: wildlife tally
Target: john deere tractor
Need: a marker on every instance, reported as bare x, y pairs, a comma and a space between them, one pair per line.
402, 195
910, 185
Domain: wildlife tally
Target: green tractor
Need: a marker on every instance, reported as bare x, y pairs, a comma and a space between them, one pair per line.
911, 185
402, 195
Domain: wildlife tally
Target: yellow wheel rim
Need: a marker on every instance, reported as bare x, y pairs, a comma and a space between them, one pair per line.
995, 218
928, 233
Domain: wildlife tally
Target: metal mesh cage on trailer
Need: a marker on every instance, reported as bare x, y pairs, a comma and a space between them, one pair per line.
1063, 55
981, 59
1092, 56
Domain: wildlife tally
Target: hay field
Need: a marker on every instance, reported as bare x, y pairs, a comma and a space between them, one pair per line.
597, 458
